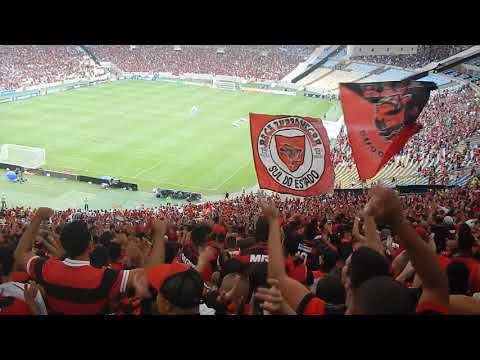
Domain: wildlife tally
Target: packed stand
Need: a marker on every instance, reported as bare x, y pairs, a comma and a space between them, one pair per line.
28, 65
449, 120
271, 63
426, 54
337, 254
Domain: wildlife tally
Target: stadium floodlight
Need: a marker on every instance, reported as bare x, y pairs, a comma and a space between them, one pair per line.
24, 156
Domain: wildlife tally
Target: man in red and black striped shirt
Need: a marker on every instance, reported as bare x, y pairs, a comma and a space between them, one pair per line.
73, 286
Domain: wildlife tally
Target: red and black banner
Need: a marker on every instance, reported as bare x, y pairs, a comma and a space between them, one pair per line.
292, 154
380, 118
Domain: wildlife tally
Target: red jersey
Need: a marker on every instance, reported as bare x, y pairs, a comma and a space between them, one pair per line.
115, 266
296, 268
218, 229
20, 276
429, 308
311, 305
75, 287
257, 253
13, 306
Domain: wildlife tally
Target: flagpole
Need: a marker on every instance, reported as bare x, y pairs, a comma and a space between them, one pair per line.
442, 67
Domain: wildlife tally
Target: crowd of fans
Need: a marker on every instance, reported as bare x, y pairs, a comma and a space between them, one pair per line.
28, 65
339, 254
374, 252
426, 54
449, 120
264, 63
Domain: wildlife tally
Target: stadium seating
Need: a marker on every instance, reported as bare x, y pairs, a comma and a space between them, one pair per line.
426, 54
331, 80
267, 63
28, 65
450, 122
361, 68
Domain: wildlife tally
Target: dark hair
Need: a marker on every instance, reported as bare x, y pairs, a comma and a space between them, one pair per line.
99, 257
171, 250
440, 239
328, 260
458, 275
246, 243
258, 274
200, 234
231, 266
75, 238
105, 238
261, 229
7, 261
114, 251
311, 230
220, 238
291, 243
365, 264
383, 295
330, 289
465, 239
344, 251
231, 242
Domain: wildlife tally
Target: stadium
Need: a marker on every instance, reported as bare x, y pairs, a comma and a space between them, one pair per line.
128, 141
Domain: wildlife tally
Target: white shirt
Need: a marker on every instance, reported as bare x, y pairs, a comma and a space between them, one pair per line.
15, 290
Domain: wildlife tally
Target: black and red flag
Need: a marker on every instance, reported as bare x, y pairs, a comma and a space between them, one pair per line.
292, 154
380, 118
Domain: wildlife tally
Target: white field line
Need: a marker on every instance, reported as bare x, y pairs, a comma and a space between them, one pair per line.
148, 169
231, 176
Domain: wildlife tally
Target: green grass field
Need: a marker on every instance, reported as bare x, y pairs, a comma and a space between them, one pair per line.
141, 132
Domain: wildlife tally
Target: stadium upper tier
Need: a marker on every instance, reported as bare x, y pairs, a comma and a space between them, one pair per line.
425, 55
27, 65
268, 63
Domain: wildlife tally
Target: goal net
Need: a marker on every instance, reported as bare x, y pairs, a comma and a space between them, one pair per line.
226, 85
24, 156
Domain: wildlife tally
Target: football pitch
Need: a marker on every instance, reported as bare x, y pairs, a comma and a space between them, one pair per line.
143, 132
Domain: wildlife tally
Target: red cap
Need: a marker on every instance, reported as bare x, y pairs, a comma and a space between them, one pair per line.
158, 274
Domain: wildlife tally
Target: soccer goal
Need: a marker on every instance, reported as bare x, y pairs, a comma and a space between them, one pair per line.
226, 85
24, 156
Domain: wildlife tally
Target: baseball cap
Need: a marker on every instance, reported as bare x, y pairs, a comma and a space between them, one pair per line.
178, 283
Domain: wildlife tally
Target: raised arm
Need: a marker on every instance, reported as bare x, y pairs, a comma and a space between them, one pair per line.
157, 256
293, 291
384, 205
23, 252
356, 232
372, 239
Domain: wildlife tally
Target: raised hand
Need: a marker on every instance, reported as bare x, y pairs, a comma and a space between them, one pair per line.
273, 302
225, 297
384, 206
30, 292
269, 209
44, 213
160, 227
54, 247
